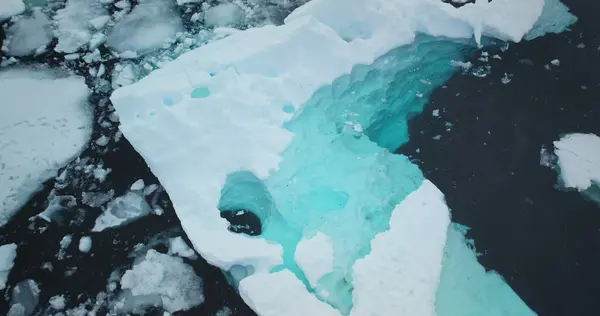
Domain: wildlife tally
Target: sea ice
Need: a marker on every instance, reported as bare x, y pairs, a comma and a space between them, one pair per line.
578, 160
85, 244
149, 25
9, 8
122, 210
165, 280
296, 124
44, 122
73, 24
28, 34
8, 253
225, 14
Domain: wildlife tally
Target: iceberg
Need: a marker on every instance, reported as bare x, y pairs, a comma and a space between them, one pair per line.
293, 127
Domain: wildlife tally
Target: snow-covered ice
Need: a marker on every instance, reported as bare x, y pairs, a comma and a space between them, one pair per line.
578, 160
57, 302
8, 253
289, 297
9, 8
29, 34
315, 257
164, 280
149, 25
401, 274
177, 246
44, 122
225, 14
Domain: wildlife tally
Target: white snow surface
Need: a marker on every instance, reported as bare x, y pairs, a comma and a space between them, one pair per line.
28, 34
315, 257
218, 109
579, 160
73, 27
44, 122
281, 293
176, 283
401, 274
225, 14
8, 253
149, 25
9, 8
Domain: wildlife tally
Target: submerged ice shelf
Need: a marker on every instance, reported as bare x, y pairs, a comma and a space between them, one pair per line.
296, 129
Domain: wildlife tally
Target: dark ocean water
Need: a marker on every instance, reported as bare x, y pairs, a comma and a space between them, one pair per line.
544, 241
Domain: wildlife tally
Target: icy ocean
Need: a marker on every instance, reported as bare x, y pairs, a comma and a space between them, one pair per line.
299, 157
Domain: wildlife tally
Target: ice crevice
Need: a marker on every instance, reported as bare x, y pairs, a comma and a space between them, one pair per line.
293, 127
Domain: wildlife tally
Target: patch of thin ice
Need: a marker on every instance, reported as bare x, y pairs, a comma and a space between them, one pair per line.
44, 122
122, 210
578, 160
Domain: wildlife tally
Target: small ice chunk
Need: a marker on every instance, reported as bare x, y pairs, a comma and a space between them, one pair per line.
579, 160
96, 199
102, 141
173, 283
225, 14
150, 189
138, 185
57, 302
506, 78
555, 62
8, 253
99, 22
100, 173
9, 8
28, 34
96, 40
315, 257
73, 24
435, 113
25, 297
122, 210
66, 241
461, 64
178, 246
85, 244
149, 25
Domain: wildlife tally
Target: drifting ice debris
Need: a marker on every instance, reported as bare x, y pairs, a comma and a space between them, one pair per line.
137, 185
177, 246
73, 24
8, 253
555, 62
150, 189
123, 209
56, 205
25, 298
102, 141
435, 113
57, 302
506, 79
96, 199
161, 280
225, 14
464, 65
85, 244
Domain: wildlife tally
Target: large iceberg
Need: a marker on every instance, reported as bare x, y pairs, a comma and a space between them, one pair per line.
296, 124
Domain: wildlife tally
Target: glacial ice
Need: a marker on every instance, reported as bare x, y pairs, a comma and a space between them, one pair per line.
295, 124
578, 160
73, 28
39, 132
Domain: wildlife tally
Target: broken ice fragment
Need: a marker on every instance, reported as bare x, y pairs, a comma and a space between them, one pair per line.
122, 210
85, 244
8, 253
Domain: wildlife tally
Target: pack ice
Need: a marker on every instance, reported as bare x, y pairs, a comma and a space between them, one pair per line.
296, 125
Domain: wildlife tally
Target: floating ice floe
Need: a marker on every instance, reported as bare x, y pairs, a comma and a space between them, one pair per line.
257, 124
578, 160
8, 253
10, 8
73, 28
29, 35
122, 210
44, 122
161, 280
